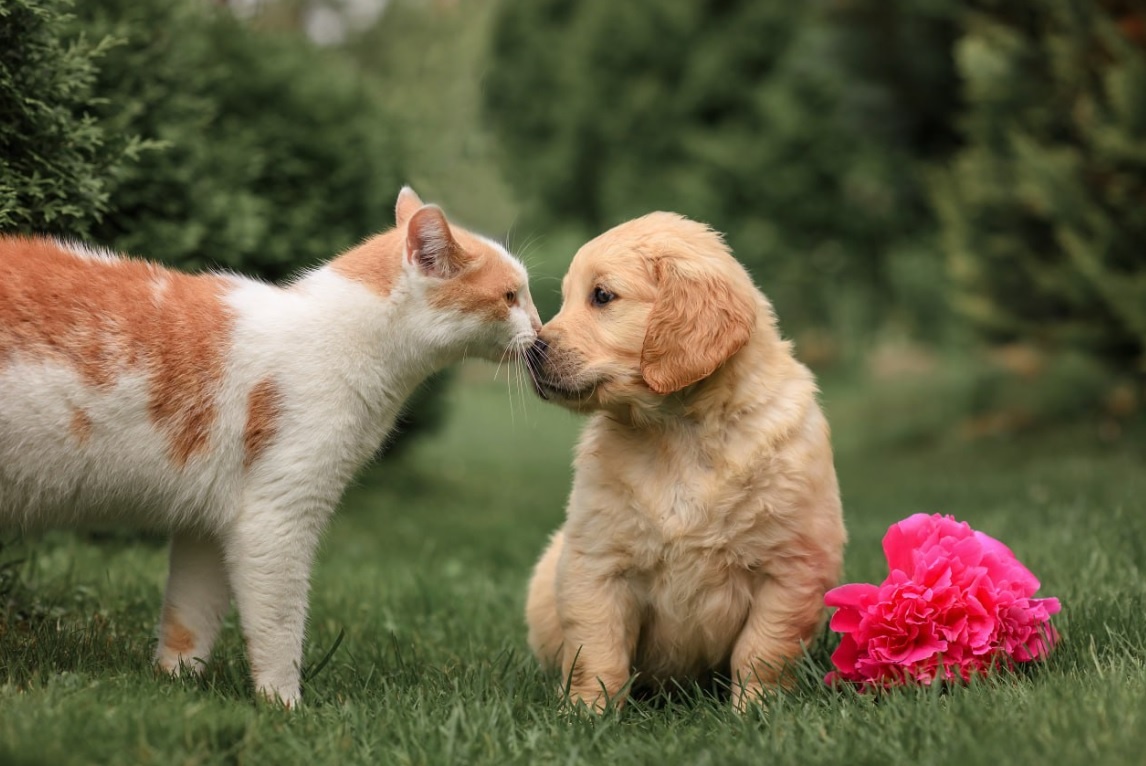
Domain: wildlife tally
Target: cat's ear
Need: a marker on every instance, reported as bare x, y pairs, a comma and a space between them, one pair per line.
430, 246
408, 203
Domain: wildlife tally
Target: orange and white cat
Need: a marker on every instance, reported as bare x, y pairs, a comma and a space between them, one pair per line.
230, 411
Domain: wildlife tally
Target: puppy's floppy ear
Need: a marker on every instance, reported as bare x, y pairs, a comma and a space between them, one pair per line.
408, 203
699, 320
430, 246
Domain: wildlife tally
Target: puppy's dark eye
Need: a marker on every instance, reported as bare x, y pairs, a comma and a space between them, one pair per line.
511, 297
601, 296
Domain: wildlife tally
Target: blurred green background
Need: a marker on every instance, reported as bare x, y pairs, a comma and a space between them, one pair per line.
939, 190
945, 200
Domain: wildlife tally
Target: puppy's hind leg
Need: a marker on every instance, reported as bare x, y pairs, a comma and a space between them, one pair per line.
196, 600
545, 635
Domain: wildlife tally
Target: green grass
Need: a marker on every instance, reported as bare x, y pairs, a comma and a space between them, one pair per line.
423, 572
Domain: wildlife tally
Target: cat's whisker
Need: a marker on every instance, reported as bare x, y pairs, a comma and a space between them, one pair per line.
507, 354
530, 240
518, 370
497, 370
526, 259
521, 387
531, 256
520, 384
508, 241
509, 395
525, 253
529, 243
513, 381
544, 354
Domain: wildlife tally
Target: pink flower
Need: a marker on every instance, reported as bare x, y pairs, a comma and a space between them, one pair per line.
955, 603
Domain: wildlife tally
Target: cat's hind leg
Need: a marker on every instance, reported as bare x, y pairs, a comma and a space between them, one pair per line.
197, 598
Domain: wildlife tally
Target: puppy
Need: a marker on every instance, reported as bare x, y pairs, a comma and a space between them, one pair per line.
704, 523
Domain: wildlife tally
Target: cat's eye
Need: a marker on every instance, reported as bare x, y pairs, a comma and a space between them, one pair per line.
511, 297
601, 296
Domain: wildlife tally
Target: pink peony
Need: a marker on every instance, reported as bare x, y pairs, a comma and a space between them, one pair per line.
955, 602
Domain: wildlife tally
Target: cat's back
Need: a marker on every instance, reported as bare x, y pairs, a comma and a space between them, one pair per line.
110, 372
77, 303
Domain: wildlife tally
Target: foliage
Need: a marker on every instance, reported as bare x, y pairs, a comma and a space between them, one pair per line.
429, 59
795, 128
1043, 221
56, 158
275, 154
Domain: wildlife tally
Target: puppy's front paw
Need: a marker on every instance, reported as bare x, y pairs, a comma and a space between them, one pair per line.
751, 695
595, 703
594, 699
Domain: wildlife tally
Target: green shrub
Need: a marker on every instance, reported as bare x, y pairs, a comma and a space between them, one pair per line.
56, 159
275, 154
1043, 215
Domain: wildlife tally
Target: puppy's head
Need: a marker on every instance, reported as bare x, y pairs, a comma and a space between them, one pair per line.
649, 308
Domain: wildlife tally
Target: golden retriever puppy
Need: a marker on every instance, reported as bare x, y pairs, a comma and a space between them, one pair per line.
704, 524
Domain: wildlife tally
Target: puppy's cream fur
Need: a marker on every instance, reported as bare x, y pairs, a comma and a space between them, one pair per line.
704, 523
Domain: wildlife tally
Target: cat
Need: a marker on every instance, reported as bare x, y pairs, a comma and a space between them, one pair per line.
230, 411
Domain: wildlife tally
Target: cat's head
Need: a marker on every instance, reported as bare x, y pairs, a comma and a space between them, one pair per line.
475, 294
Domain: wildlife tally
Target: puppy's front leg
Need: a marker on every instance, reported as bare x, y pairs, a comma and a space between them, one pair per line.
600, 623
270, 550
787, 609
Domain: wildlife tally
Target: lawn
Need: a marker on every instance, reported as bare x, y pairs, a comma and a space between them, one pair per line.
419, 593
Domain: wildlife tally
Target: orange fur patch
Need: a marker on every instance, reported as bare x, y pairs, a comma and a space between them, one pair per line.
108, 317
263, 409
376, 263
176, 636
81, 425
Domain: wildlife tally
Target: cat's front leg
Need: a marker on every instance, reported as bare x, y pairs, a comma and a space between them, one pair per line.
195, 602
270, 550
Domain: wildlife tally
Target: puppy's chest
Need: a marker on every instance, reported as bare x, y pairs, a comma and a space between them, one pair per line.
692, 558
683, 520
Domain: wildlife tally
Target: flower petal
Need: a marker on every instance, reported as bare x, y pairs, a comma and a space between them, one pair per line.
857, 594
